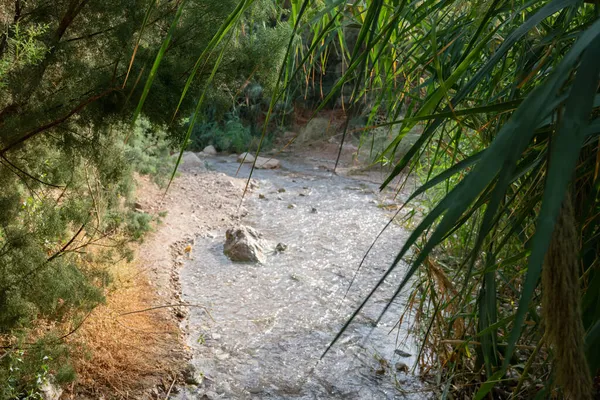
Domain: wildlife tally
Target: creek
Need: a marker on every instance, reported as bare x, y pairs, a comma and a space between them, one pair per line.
266, 326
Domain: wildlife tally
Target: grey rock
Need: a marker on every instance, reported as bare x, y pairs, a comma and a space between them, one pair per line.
281, 247
245, 158
210, 395
317, 128
191, 162
244, 244
402, 353
191, 388
401, 367
210, 150
189, 375
267, 163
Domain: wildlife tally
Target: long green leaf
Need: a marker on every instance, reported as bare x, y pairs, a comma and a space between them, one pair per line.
565, 152
158, 59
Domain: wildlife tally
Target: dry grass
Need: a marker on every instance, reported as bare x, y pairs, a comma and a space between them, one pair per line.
120, 356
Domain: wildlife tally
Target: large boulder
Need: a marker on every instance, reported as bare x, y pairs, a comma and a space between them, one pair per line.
267, 163
317, 128
261, 162
244, 244
210, 151
191, 162
246, 158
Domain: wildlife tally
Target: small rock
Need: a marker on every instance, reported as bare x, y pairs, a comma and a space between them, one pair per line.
262, 196
313, 210
281, 247
281, 190
210, 150
189, 375
191, 388
401, 367
402, 353
255, 390
246, 158
302, 194
210, 395
291, 206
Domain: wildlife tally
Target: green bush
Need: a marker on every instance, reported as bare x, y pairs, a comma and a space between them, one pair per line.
233, 136
27, 367
148, 150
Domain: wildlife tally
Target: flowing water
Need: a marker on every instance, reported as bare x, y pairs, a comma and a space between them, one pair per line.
270, 323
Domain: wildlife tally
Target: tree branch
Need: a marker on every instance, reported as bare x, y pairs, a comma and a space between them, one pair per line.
54, 123
6, 160
38, 71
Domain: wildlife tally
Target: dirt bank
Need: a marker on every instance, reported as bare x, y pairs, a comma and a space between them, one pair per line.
132, 346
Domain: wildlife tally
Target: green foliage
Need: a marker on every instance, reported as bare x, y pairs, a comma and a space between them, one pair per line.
67, 157
27, 367
18, 369
148, 150
232, 137
506, 93
23, 47
138, 223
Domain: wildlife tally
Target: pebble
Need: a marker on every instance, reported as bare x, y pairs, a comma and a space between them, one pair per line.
401, 367
402, 353
281, 247
210, 395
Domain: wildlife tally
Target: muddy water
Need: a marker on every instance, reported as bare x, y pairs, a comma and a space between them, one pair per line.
269, 324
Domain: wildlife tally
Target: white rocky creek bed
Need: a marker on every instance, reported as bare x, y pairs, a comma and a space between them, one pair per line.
265, 326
